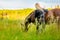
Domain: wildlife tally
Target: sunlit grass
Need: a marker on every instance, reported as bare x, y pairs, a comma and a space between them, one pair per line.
11, 30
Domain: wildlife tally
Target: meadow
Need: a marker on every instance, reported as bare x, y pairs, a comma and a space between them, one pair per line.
11, 29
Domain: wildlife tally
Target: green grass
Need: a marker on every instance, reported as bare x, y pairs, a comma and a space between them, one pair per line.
12, 30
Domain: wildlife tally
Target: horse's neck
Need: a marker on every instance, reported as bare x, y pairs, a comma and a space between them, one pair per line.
30, 14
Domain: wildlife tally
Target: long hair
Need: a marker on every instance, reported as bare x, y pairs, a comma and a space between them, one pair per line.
38, 7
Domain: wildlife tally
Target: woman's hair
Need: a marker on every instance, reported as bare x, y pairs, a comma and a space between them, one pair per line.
37, 6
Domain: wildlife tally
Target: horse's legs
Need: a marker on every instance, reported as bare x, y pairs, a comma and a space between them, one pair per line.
26, 26
58, 23
37, 25
55, 19
43, 24
37, 28
40, 22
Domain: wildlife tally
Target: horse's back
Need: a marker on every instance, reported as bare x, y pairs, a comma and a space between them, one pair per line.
56, 12
31, 17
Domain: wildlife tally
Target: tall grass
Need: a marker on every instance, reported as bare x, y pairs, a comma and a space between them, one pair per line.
12, 30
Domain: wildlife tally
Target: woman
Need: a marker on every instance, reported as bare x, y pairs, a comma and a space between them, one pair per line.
39, 12
38, 7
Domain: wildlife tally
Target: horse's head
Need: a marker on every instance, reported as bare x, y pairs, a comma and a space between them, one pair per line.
49, 16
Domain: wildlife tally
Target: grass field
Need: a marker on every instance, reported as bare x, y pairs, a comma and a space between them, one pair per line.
13, 30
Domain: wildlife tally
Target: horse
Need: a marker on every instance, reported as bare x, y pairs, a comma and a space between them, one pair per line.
40, 19
56, 14
49, 17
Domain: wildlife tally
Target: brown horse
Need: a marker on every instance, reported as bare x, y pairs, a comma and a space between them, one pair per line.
49, 17
56, 14
32, 19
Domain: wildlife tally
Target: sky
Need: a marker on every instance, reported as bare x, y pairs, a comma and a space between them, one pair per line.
17, 4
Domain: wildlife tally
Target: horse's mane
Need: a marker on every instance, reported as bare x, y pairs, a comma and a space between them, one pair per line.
30, 14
